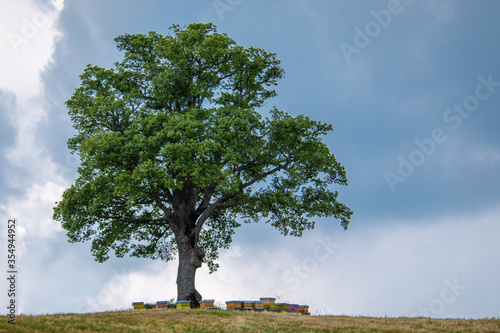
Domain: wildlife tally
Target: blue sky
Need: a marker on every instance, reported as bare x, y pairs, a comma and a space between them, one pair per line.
412, 89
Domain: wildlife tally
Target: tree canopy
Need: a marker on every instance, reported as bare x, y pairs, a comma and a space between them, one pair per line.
174, 151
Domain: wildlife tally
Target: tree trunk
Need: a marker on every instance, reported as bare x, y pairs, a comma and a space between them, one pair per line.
190, 259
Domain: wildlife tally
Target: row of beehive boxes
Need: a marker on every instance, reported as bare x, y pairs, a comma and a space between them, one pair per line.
163, 305
265, 303
268, 304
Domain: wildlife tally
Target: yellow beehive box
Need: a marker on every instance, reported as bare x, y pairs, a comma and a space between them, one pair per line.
282, 307
258, 305
304, 309
247, 305
233, 305
269, 303
207, 304
183, 304
138, 305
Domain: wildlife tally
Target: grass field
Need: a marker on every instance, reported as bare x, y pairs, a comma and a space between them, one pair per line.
235, 321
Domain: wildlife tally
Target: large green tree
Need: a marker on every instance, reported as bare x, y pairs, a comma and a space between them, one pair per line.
175, 156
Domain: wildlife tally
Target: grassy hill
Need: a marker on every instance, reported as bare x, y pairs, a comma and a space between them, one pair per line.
235, 321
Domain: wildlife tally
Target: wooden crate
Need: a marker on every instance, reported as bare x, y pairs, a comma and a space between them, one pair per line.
162, 305
183, 304
138, 305
207, 304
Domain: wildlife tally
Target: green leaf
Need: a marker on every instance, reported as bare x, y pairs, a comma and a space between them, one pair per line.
173, 149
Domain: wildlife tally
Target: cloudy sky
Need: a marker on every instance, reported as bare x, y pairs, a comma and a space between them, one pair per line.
412, 89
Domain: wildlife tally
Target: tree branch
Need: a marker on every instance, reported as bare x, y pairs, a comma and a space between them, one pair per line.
150, 221
139, 221
265, 174
164, 208
222, 201
209, 211
209, 192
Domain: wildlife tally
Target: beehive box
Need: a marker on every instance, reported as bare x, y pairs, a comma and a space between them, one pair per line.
138, 305
304, 309
162, 305
207, 304
258, 305
183, 304
233, 305
269, 303
293, 307
282, 307
247, 305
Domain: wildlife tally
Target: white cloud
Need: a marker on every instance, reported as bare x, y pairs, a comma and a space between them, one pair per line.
29, 35
457, 153
34, 210
410, 268
397, 269
155, 283
29, 41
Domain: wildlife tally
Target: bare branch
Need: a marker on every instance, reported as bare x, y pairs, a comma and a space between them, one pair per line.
265, 174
